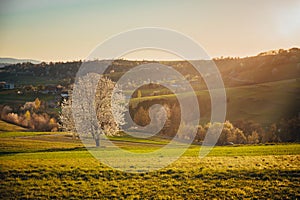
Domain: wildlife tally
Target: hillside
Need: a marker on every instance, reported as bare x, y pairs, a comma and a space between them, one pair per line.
16, 60
285, 64
262, 68
263, 88
5, 126
265, 102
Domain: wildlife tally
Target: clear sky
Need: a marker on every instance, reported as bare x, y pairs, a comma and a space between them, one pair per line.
52, 30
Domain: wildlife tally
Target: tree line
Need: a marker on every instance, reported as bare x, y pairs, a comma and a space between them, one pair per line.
31, 115
237, 132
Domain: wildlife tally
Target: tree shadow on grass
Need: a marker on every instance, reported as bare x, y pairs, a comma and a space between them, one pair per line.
43, 150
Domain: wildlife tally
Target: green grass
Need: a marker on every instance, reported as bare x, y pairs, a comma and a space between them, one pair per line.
25, 134
56, 166
37, 142
152, 140
10, 97
29, 80
264, 103
4, 126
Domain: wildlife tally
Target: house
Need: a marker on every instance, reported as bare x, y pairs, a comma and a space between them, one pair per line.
64, 95
9, 86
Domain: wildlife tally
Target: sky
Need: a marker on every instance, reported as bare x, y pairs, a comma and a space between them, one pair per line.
67, 30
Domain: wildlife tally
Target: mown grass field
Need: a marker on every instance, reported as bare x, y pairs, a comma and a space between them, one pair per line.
54, 165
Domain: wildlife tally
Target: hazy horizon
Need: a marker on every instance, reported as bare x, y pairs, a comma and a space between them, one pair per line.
143, 59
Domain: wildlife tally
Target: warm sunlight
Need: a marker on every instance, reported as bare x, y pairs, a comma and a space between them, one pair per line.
131, 99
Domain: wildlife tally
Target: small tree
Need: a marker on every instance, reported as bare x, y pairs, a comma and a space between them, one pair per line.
27, 115
239, 136
159, 116
141, 117
253, 138
139, 94
270, 134
37, 103
288, 129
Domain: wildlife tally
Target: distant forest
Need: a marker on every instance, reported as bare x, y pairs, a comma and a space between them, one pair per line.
265, 67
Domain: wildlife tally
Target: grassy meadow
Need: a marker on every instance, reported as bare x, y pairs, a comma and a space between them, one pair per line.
264, 102
36, 165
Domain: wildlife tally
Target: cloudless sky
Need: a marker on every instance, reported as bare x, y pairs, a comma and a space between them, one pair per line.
53, 30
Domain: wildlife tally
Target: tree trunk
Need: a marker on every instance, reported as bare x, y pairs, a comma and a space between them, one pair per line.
97, 140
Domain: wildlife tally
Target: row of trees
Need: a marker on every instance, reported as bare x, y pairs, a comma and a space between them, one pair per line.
31, 115
249, 132
229, 135
238, 132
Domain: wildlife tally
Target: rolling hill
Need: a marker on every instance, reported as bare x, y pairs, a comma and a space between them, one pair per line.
263, 88
17, 60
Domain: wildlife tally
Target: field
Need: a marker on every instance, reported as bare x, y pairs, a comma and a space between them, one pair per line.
10, 97
265, 103
54, 165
